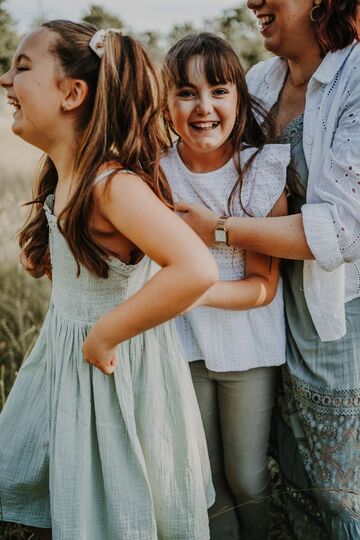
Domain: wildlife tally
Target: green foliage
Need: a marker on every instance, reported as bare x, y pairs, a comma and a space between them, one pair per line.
99, 17
23, 303
152, 43
238, 26
179, 31
8, 39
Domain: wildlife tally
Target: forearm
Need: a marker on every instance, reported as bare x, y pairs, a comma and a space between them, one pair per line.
281, 237
248, 293
163, 297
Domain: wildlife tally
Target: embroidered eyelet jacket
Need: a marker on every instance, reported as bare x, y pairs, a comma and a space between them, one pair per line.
331, 215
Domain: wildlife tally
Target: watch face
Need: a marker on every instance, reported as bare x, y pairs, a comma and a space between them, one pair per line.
220, 236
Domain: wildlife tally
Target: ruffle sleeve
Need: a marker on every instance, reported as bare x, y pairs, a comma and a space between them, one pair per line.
266, 180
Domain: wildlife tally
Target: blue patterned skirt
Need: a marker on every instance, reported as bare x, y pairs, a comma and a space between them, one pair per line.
317, 425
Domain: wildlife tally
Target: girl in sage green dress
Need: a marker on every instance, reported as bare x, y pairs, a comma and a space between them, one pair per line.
101, 437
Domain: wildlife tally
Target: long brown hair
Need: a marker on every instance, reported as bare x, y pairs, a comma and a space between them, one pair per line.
120, 121
335, 24
254, 126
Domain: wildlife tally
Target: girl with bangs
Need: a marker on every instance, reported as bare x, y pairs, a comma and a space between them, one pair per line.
222, 160
101, 437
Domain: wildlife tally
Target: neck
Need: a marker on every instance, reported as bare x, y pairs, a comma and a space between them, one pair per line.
62, 154
301, 69
203, 162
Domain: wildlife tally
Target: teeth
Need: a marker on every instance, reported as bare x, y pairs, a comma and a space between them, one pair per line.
264, 20
205, 125
14, 102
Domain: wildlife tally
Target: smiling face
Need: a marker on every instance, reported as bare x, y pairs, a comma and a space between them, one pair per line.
33, 86
285, 26
203, 115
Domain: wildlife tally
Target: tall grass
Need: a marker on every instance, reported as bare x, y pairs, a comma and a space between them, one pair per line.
23, 303
23, 300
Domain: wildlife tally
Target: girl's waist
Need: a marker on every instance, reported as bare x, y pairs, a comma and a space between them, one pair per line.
84, 310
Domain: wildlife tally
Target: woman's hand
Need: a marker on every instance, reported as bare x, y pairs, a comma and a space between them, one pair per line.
200, 219
98, 353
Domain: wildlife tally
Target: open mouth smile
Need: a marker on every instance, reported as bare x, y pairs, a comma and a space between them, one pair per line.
265, 21
205, 126
14, 102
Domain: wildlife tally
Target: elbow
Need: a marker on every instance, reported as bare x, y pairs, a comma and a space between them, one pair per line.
269, 297
266, 294
204, 273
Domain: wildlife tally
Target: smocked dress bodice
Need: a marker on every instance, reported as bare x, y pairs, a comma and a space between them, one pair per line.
85, 297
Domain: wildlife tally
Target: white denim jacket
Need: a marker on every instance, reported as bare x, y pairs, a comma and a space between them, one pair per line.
331, 215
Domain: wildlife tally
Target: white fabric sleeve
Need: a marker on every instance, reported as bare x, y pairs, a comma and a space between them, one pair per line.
332, 226
255, 76
266, 179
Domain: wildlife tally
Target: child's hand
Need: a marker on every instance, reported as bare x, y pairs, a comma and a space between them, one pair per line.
98, 354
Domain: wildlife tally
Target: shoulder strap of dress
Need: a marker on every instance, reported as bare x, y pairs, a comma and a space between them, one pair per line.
107, 173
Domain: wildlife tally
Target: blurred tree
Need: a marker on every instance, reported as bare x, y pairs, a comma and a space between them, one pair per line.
101, 18
180, 30
153, 42
239, 27
8, 38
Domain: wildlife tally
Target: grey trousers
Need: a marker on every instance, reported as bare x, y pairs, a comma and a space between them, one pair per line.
236, 412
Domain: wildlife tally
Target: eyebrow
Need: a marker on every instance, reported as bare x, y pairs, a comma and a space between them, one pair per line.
22, 56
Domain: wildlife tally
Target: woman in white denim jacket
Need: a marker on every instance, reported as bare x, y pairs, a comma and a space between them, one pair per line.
315, 95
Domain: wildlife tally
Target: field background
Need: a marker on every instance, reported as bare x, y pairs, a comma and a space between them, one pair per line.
23, 300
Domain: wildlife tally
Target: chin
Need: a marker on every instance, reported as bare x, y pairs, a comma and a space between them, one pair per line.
25, 136
16, 129
271, 47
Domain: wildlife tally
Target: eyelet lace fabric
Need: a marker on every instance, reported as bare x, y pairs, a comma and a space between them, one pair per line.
233, 340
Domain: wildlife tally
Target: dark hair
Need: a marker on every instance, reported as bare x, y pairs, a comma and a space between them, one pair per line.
254, 125
119, 121
336, 24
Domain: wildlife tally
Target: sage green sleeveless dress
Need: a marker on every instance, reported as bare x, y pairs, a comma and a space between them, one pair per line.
97, 457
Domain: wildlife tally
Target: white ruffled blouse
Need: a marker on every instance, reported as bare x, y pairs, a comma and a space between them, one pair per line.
230, 340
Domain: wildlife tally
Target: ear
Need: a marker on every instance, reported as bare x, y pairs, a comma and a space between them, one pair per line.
75, 94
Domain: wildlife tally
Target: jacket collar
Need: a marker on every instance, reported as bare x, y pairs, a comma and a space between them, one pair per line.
325, 73
332, 63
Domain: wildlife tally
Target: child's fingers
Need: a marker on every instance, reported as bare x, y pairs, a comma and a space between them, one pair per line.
107, 366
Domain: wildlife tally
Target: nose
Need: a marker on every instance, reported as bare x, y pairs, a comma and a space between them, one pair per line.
254, 4
204, 105
6, 79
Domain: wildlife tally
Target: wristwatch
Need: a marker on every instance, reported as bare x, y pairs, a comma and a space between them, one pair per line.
221, 232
